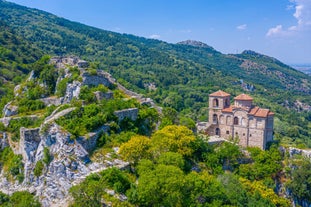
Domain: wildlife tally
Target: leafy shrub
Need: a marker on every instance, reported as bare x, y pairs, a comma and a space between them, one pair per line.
46, 156
23, 199
12, 163
26, 105
61, 87
38, 168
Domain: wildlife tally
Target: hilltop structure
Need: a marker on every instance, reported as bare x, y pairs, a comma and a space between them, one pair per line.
253, 126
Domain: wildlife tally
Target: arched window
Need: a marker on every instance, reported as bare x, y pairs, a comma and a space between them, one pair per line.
227, 103
215, 102
236, 121
217, 131
215, 119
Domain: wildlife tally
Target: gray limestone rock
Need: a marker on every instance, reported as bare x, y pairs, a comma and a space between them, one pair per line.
4, 142
72, 91
10, 110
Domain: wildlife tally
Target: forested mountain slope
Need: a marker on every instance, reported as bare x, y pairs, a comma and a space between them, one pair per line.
179, 76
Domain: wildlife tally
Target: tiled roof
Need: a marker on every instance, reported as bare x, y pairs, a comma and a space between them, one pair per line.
227, 110
243, 97
220, 93
262, 112
270, 113
256, 111
253, 110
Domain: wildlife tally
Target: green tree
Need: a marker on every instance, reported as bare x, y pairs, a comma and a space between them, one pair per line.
135, 149
161, 187
173, 139
88, 193
23, 199
300, 183
171, 158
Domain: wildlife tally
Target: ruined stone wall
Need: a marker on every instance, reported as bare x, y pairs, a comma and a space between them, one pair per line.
52, 101
89, 142
131, 113
28, 144
100, 78
101, 95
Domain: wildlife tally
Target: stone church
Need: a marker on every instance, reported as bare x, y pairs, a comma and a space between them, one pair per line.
251, 125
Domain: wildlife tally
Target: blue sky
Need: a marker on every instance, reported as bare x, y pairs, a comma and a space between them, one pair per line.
278, 28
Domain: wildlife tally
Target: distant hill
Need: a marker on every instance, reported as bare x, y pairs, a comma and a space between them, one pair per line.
179, 76
305, 68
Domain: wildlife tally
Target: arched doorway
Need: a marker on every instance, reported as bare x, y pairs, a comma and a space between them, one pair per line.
217, 132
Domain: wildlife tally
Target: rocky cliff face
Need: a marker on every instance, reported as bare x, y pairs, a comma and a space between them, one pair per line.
69, 165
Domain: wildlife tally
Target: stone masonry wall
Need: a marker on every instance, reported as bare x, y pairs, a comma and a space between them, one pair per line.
131, 113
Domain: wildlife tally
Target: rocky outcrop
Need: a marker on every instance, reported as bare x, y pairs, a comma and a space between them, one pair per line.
295, 151
3, 140
72, 91
17, 90
57, 114
10, 110
70, 164
131, 113
31, 76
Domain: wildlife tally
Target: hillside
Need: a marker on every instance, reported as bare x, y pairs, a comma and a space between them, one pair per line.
179, 76
16, 56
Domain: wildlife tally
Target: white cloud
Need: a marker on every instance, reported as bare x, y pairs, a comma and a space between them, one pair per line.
302, 14
154, 36
275, 31
241, 27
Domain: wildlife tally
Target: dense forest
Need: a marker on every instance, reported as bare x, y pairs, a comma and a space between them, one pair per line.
171, 166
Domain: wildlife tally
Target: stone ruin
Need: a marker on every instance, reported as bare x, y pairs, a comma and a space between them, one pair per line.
131, 114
